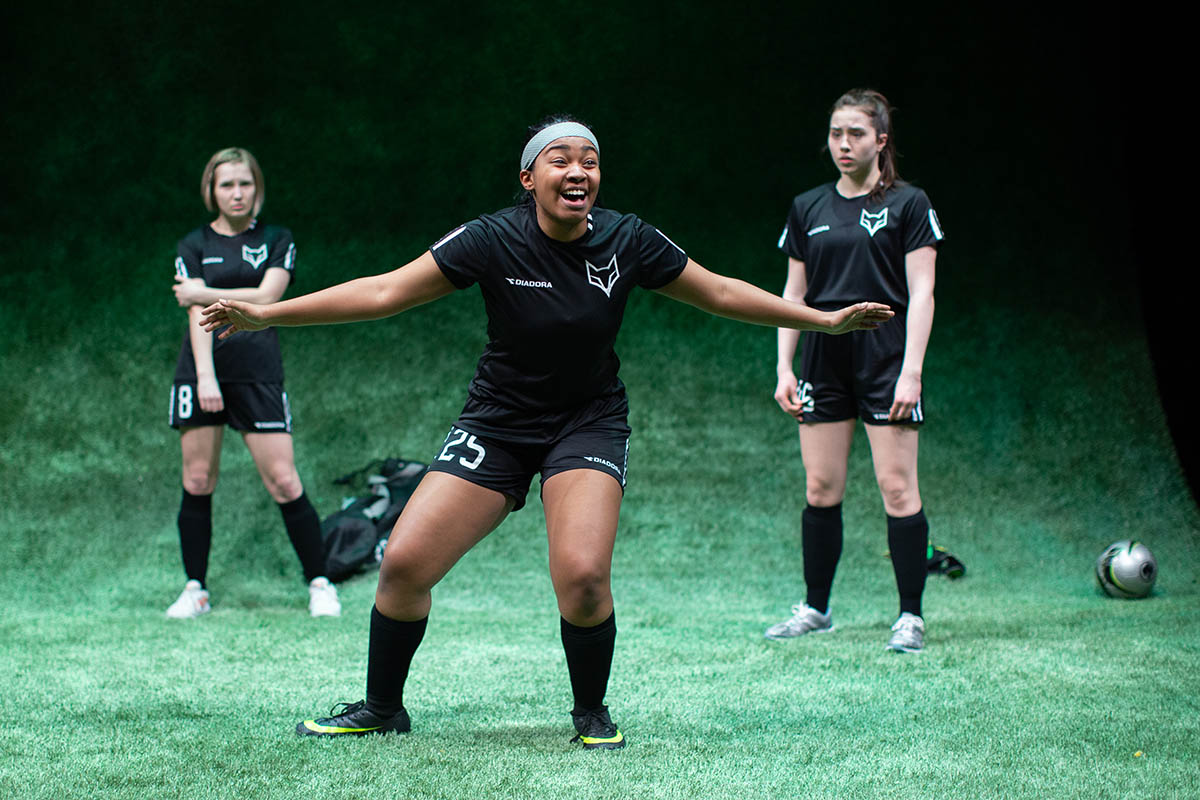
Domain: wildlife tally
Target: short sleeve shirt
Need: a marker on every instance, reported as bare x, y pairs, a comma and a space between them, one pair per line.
554, 308
853, 248
236, 262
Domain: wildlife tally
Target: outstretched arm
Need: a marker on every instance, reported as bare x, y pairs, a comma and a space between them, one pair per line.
736, 299
372, 297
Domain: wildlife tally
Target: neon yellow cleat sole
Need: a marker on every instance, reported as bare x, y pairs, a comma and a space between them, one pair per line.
355, 720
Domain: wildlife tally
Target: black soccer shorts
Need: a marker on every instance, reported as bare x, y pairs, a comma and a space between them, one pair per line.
853, 375
249, 408
596, 439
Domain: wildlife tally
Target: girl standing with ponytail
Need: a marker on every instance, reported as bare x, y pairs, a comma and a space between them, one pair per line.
867, 234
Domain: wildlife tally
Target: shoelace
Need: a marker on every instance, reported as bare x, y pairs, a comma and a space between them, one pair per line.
347, 708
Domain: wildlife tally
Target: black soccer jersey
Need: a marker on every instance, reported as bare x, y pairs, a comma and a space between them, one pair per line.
236, 262
554, 308
853, 249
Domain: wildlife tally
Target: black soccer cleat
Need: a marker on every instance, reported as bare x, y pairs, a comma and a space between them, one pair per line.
355, 720
596, 730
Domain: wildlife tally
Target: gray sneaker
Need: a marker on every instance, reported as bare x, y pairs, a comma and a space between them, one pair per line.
804, 620
908, 634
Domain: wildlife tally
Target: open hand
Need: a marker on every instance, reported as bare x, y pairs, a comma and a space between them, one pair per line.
859, 317
237, 315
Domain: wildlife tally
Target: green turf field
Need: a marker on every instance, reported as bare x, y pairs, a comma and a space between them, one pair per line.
380, 126
1033, 684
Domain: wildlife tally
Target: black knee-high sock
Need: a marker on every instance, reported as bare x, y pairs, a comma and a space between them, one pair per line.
304, 529
821, 543
589, 660
908, 538
195, 534
389, 655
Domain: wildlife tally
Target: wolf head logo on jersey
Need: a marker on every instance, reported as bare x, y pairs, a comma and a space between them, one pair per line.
254, 256
873, 222
603, 278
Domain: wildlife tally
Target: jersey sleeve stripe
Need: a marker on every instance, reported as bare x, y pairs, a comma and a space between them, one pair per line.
289, 260
180, 267
933, 224
448, 237
668, 238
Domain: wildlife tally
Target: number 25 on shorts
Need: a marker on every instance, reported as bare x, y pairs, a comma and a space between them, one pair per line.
456, 437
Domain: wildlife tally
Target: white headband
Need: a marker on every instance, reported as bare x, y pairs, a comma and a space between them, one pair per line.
551, 132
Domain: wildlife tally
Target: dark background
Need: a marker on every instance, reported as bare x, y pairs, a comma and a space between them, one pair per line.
1039, 134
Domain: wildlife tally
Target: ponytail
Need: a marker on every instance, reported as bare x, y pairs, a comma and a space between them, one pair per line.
876, 106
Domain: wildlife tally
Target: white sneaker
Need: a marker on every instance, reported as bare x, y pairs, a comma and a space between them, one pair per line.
805, 619
192, 602
908, 634
323, 599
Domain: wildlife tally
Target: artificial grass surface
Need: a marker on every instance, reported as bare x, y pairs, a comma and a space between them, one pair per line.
113, 701
1045, 439
1032, 684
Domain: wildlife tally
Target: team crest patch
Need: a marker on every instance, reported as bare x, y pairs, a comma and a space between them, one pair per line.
254, 256
603, 278
873, 222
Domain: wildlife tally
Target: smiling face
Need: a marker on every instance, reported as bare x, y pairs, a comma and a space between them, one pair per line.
855, 145
235, 193
564, 180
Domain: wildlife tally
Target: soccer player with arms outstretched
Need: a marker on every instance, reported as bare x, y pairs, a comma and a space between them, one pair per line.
555, 273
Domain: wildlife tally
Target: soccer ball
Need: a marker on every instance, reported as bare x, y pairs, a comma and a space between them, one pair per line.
1126, 569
